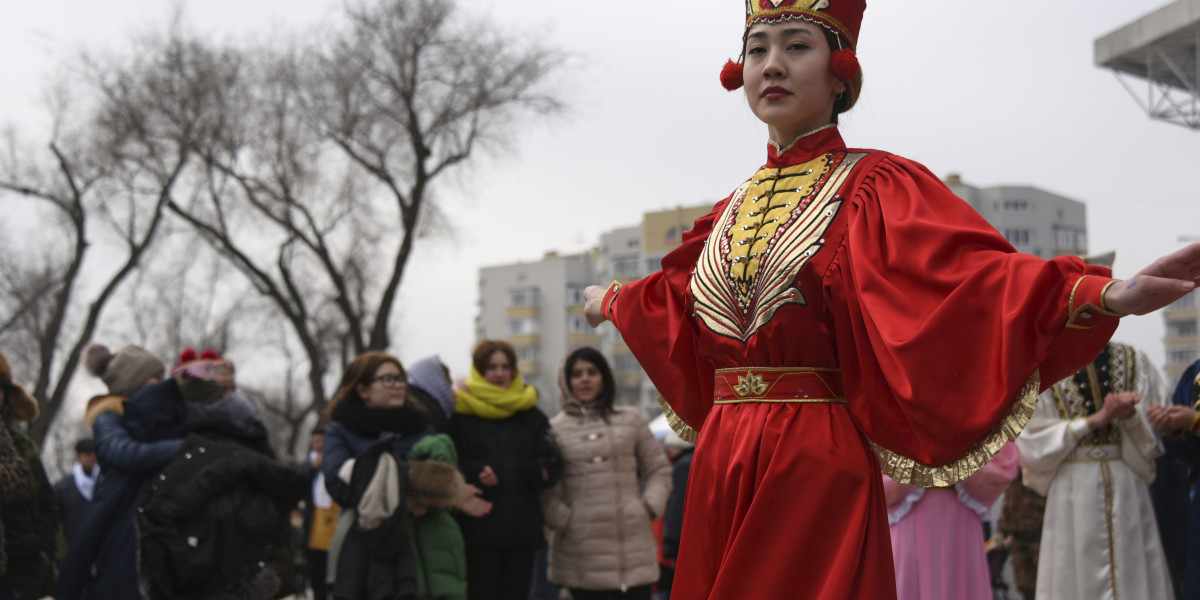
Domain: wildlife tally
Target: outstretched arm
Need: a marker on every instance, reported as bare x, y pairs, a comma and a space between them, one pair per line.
1166, 280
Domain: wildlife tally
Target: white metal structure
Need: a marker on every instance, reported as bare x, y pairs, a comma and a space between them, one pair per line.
1162, 49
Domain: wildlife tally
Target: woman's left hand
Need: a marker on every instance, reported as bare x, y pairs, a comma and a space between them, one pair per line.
1166, 280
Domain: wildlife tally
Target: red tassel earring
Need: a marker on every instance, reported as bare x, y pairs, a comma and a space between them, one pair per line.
731, 75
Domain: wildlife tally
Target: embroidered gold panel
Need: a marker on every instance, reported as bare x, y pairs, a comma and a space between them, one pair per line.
773, 225
1082, 394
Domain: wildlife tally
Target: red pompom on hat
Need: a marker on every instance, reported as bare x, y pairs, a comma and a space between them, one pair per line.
844, 64
731, 75
208, 366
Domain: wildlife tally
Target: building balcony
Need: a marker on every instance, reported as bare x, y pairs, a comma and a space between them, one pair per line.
522, 312
583, 339
517, 341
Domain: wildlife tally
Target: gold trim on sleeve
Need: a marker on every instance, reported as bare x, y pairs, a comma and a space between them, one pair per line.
906, 470
1103, 302
685, 432
615, 288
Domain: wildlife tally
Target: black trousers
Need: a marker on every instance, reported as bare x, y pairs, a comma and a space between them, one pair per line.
499, 574
315, 562
641, 592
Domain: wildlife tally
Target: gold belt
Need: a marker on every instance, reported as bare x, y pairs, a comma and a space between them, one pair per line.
779, 384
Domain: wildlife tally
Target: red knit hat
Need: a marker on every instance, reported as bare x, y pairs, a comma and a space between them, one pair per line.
841, 17
208, 366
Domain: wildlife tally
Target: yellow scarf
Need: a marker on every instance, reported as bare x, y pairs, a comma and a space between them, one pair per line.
483, 399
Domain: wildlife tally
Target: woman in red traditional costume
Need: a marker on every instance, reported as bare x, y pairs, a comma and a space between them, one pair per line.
824, 321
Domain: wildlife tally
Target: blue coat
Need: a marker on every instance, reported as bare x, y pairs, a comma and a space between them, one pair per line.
106, 540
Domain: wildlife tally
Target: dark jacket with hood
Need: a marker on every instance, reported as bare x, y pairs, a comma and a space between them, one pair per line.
212, 521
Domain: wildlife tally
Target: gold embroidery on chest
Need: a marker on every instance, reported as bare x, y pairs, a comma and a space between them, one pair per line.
773, 225
1074, 399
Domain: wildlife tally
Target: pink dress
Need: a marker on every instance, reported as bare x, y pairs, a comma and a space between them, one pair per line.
937, 534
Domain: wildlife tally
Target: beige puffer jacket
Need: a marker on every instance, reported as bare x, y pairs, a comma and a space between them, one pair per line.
600, 523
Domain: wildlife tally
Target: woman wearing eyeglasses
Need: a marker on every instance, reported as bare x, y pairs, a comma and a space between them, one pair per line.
505, 448
380, 442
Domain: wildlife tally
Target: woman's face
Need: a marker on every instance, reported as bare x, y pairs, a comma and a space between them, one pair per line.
585, 381
499, 371
386, 389
789, 83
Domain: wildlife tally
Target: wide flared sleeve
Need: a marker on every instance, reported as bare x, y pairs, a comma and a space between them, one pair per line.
985, 486
651, 314
929, 300
1046, 442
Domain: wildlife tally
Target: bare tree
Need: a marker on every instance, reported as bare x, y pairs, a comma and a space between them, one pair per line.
309, 166
335, 165
84, 183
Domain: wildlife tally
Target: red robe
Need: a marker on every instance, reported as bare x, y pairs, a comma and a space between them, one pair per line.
862, 261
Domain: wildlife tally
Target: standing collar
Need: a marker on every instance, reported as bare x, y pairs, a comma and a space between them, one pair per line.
805, 147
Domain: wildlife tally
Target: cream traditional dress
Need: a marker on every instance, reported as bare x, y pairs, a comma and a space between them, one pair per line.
1099, 540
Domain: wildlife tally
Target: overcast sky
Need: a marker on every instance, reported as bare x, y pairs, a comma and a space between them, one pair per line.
999, 92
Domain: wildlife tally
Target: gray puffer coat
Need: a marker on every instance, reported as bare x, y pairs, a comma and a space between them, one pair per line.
600, 521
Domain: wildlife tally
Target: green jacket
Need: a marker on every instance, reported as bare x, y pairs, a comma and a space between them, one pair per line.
439, 553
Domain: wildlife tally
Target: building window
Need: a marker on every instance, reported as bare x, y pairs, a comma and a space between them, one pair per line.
1181, 328
625, 267
526, 354
653, 264
574, 295
523, 297
1067, 239
1185, 303
1016, 206
1018, 237
1181, 356
523, 326
633, 244
578, 324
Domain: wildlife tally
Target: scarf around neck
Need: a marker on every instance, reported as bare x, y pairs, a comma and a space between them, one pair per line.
370, 422
85, 482
482, 399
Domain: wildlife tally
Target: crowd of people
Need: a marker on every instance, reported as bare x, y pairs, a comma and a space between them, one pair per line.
413, 487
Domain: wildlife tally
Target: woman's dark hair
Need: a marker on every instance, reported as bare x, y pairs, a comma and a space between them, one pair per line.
486, 348
361, 370
605, 400
847, 100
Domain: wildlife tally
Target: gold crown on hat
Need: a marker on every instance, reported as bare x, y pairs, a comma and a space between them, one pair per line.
842, 17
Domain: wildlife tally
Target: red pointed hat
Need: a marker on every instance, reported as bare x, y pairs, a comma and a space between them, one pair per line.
841, 17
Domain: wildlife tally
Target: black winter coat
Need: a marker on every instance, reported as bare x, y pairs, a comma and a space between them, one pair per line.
211, 523
518, 449
376, 564
673, 516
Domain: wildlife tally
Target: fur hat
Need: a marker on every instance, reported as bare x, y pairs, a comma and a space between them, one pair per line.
125, 372
435, 484
24, 407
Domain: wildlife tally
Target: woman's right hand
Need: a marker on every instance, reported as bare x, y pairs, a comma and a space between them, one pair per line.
488, 477
474, 505
593, 296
